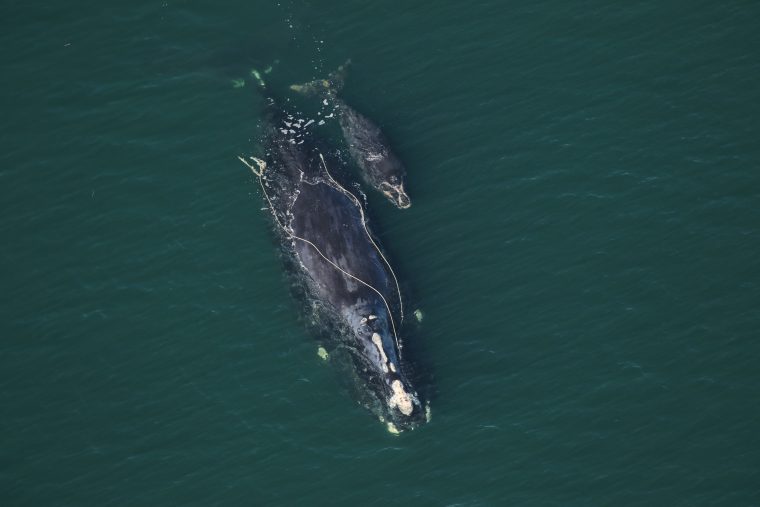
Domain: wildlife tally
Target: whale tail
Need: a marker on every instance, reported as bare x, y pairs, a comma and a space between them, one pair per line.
256, 75
272, 112
328, 86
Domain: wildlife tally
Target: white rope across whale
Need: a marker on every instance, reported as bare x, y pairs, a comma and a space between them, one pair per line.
369, 236
259, 172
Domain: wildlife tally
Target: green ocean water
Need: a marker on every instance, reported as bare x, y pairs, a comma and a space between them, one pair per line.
583, 243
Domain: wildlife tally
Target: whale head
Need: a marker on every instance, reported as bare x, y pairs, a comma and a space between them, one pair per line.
389, 393
395, 193
384, 171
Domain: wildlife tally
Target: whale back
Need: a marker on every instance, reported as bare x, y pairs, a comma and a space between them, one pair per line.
339, 246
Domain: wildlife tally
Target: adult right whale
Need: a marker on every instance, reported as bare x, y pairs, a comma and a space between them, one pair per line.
338, 265
368, 146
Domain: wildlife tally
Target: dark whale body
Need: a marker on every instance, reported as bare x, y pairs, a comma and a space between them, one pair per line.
341, 270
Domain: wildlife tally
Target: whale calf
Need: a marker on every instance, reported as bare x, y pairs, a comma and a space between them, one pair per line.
367, 144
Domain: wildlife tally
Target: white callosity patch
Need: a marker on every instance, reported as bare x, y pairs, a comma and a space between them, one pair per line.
379, 344
401, 399
397, 194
